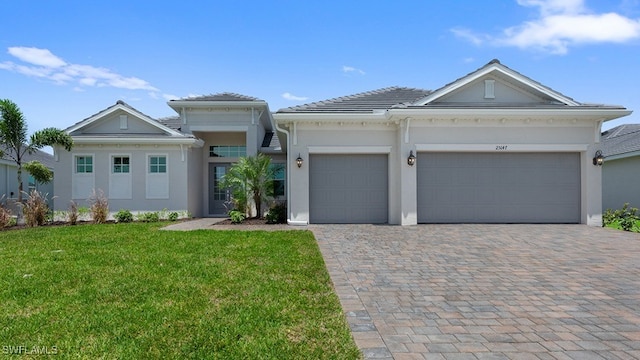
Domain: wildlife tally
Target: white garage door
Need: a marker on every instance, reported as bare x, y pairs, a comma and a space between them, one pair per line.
348, 189
498, 187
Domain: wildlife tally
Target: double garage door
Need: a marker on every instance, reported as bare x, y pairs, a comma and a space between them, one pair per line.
452, 188
498, 187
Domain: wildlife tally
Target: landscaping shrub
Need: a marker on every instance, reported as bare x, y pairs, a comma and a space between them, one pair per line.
277, 214
149, 217
123, 216
626, 217
236, 216
99, 207
5, 216
35, 209
173, 216
73, 212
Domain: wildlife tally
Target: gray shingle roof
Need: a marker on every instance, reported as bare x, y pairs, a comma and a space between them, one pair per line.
380, 99
172, 122
45, 158
224, 96
621, 139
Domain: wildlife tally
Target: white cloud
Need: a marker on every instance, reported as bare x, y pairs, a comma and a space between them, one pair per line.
289, 96
351, 69
561, 24
169, 97
41, 63
35, 56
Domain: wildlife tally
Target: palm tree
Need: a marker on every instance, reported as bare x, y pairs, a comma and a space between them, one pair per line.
251, 178
13, 137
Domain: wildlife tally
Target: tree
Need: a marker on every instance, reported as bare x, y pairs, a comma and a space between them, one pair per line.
13, 137
250, 178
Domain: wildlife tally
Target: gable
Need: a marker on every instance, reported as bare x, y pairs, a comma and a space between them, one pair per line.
495, 89
119, 122
498, 85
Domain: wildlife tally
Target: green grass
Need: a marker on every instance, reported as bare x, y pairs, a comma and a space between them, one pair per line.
123, 291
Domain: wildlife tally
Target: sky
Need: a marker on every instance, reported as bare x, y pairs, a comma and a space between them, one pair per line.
63, 61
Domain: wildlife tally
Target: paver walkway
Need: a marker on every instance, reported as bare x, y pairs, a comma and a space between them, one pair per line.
487, 291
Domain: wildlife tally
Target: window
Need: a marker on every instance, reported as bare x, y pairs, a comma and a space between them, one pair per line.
227, 151
84, 164
32, 183
120, 164
157, 164
278, 179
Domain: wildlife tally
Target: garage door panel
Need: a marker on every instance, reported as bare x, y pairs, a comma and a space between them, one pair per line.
498, 187
348, 188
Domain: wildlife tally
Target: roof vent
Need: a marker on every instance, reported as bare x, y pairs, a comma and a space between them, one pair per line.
119, 102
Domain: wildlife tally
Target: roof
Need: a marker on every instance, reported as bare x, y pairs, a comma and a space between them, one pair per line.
622, 139
380, 99
45, 158
172, 122
224, 96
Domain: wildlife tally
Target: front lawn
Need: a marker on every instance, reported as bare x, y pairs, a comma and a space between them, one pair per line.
122, 291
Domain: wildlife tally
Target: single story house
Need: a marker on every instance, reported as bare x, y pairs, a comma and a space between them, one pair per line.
621, 167
9, 178
493, 146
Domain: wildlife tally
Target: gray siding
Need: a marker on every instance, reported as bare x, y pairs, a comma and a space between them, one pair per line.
620, 179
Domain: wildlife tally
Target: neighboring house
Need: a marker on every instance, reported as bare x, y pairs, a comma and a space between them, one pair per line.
9, 178
493, 147
621, 167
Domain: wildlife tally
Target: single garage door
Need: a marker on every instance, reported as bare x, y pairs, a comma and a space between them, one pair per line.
498, 187
348, 189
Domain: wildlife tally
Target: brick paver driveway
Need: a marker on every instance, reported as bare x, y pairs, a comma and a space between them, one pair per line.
487, 291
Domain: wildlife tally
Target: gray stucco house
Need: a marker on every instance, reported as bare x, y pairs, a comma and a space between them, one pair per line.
9, 178
493, 146
621, 167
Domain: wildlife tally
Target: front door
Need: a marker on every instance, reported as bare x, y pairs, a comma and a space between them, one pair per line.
219, 198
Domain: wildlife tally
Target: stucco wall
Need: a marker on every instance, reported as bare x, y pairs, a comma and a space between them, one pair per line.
620, 179
177, 170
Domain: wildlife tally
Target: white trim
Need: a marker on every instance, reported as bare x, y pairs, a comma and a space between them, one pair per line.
137, 140
220, 128
349, 149
622, 156
502, 147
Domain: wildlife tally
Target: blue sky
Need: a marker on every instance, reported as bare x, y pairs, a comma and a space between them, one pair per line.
63, 61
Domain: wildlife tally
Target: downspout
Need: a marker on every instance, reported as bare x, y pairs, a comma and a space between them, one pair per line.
289, 211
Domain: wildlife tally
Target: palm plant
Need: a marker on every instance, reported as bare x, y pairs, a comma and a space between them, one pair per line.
13, 137
250, 178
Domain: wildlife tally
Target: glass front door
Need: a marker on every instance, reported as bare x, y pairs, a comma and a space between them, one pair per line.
219, 197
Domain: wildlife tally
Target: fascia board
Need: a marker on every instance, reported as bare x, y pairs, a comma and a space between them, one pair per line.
283, 118
177, 104
88, 140
599, 114
622, 156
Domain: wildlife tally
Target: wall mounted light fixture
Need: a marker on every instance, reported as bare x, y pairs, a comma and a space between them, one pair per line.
411, 160
299, 161
598, 159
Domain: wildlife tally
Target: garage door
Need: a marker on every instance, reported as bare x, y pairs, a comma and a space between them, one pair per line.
348, 189
498, 187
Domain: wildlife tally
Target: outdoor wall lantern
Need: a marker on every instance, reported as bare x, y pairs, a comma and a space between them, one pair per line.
411, 160
598, 159
299, 161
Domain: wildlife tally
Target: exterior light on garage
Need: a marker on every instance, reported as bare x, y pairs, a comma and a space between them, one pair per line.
299, 161
411, 160
598, 159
